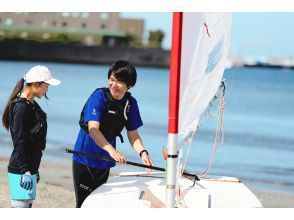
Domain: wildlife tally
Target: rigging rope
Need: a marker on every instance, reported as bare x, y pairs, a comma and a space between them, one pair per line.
181, 168
219, 129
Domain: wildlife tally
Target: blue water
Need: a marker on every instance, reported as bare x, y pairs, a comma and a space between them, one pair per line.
259, 120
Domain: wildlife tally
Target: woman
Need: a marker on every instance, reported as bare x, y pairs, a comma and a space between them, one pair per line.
105, 114
27, 124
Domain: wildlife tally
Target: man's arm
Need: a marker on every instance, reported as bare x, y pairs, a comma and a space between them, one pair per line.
101, 141
136, 142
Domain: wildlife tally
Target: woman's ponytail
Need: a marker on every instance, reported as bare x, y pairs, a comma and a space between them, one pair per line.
17, 89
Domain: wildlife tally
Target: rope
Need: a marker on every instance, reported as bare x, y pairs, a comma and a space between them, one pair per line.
181, 168
189, 141
219, 129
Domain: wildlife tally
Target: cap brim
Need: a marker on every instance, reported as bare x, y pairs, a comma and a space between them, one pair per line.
53, 82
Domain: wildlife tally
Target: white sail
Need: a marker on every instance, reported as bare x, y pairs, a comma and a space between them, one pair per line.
205, 46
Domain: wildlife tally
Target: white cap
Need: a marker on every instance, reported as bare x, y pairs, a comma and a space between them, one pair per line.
40, 74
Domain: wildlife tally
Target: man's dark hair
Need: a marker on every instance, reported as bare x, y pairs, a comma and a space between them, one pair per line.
123, 71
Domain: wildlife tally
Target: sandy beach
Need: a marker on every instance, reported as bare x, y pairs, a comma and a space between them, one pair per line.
55, 190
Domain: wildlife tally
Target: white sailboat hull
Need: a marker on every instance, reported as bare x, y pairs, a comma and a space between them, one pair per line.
138, 190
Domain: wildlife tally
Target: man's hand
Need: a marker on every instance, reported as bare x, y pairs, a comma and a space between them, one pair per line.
117, 156
147, 160
100, 140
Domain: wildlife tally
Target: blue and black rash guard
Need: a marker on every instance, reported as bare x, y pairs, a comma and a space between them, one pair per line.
93, 111
28, 128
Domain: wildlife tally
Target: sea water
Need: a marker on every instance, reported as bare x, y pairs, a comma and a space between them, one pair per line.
258, 124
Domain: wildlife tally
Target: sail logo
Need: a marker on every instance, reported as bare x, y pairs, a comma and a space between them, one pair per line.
215, 56
206, 28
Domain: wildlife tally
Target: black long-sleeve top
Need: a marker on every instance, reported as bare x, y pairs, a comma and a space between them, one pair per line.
28, 144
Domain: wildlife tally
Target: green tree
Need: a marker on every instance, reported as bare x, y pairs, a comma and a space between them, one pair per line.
155, 38
134, 41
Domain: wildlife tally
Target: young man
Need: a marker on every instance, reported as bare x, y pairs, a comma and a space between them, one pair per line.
105, 114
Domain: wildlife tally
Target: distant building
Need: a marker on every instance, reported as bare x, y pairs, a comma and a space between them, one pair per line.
95, 28
132, 26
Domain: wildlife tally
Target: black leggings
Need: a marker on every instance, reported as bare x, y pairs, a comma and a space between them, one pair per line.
86, 180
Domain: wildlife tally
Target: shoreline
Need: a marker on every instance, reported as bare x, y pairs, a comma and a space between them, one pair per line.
56, 190
70, 52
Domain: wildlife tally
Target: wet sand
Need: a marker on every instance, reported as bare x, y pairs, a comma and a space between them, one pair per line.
271, 199
55, 189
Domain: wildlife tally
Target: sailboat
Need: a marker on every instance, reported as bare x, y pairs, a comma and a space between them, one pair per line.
200, 45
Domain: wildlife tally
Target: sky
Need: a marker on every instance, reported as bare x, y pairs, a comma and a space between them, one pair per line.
253, 35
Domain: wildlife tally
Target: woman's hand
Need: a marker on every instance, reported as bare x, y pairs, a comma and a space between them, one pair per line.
26, 181
38, 176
